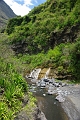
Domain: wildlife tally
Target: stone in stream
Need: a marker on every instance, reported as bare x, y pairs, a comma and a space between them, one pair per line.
38, 84
56, 84
45, 80
66, 93
41, 116
33, 80
42, 84
52, 81
44, 94
60, 98
59, 92
51, 92
63, 84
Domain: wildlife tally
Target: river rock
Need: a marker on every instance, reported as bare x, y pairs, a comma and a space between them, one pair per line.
51, 92
44, 94
22, 116
63, 84
59, 92
41, 116
34, 80
45, 80
38, 84
51, 81
60, 98
56, 85
42, 84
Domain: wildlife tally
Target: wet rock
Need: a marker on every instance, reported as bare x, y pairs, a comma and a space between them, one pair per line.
37, 114
60, 83
42, 83
66, 92
59, 92
33, 88
47, 83
60, 98
51, 81
41, 116
33, 80
50, 87
22, 116
38, 84
56, 85
51, 92
44, 94
45, 80
63, 84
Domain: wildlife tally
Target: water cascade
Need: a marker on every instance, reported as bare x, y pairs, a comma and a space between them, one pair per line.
47, 73
34, 74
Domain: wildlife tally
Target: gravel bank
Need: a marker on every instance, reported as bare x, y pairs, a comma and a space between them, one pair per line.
71, 105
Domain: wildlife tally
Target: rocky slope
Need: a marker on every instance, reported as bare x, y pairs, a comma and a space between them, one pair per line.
5, 13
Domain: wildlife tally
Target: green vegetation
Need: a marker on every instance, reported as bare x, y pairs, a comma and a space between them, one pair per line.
12, 89
64, 58
75, 60
13, 86
49, 36
36, 28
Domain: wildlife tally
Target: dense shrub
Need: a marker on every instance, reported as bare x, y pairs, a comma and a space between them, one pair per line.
75, 60
12, 23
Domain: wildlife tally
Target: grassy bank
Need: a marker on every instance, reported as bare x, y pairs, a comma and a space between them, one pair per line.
13, 87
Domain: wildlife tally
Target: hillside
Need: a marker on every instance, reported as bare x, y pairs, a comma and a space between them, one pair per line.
45, 26
50, 33
5, 13
48, 37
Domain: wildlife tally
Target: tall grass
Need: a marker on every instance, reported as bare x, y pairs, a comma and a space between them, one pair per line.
14, 88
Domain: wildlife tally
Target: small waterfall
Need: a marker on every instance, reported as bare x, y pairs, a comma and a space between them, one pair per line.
38, 73
47, 73
34, 74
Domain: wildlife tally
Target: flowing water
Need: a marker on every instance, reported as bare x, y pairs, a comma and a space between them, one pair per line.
47, 103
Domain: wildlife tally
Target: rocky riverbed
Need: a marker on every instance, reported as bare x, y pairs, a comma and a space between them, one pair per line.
67, 94
71, 105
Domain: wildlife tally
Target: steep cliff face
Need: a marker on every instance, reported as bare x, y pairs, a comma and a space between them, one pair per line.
5, 13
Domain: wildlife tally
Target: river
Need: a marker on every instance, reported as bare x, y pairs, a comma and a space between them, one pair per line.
47, 103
